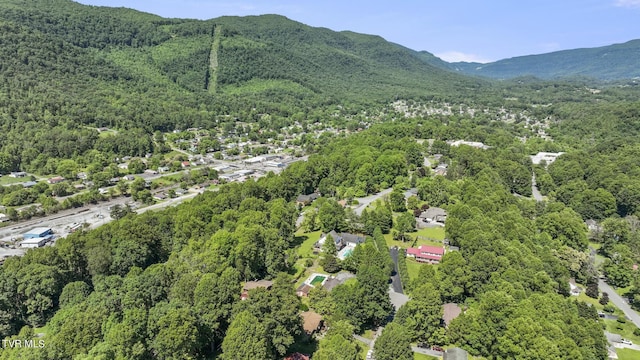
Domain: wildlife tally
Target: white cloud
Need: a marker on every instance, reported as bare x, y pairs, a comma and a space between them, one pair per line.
628, 3
457, 56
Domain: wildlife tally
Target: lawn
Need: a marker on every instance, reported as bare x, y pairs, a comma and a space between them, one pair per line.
306, 247
434, 233
8, 180
413, 267
628, 354
626, 330
417, 356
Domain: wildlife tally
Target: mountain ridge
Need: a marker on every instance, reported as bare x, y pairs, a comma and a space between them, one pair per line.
622, 62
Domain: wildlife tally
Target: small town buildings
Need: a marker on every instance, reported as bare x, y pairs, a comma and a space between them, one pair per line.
434, 215
185, 164
151, 172
129, 177
38, 232
82, 175
160, 196
475, 144
79, 186
123, 166
250, 285
55, 180
254, 160
29, 184
3, 218
311, 322
36, 242
547, 157
163, 169
274, 164
18, 174
426, 254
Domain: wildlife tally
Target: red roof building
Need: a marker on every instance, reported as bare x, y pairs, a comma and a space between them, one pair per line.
428, 254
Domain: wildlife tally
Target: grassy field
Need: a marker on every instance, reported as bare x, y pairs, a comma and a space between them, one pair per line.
628, 354
306, 247
417, 356
8, 180
433, 233
414, 267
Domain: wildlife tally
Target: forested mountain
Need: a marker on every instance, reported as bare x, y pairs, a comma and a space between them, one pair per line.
613, 62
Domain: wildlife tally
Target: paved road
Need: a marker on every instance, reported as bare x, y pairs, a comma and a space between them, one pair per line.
396, 282
534, 189
618, 301
365, 201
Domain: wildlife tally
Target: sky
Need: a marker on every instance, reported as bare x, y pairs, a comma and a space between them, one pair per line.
454, 30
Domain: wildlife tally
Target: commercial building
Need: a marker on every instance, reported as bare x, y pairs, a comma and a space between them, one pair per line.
32, 243
38, 232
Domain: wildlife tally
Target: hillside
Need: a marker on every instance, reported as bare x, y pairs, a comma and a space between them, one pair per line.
614, 62
127, 54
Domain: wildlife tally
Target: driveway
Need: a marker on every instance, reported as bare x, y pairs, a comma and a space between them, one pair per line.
396, 282
534, 189
365, 201
618, 301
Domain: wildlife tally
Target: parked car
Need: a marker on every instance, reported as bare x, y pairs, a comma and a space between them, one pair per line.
626, 342
601, 314
437, 348
423, 345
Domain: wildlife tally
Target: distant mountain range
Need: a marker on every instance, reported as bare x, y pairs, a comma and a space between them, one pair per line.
613, 62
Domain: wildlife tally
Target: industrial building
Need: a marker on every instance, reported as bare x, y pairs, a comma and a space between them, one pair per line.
39, 232
35, 242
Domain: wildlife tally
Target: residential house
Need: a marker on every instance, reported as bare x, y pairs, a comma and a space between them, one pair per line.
331, 283
426, 254
450, 311
163, 169
55, 180
123, 166
29, 184
441, 169
82, 176
303, 290
434, 215
575, 289
151, 172
304, 200
250, 285
18, 174
311, 322
185, 164
341, 240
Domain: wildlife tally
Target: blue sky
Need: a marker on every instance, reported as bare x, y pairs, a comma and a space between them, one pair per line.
455, 30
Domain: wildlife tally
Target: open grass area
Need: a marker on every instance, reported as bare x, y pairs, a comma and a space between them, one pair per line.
588, 300
8, 180
306, 247
626, 330
628, 354
413, 267
433, 233
417, 356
